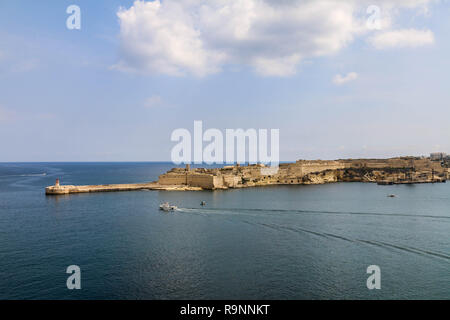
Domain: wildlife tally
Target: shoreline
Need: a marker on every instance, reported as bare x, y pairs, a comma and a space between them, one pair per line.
155, 186
392, 171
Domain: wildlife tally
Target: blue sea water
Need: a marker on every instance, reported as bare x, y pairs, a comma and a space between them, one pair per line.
279, 242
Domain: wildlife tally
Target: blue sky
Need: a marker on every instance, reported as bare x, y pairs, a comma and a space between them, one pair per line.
117, 88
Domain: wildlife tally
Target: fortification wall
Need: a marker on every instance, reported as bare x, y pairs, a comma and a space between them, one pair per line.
205, 181
395, 163
319, 167
218, 182
304, 167
172, 179
378, 163
426, 164
231, 181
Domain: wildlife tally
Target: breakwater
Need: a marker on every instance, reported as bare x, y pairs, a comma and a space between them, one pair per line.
70, 189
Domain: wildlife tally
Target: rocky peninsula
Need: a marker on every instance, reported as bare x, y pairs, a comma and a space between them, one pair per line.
400, 170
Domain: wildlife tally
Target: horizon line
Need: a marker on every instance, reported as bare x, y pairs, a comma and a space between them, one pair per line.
203, 163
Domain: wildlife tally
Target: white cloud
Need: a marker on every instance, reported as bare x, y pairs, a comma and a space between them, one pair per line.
276, 66
402, 39
161, 37
153, 101
272, 37
339, 79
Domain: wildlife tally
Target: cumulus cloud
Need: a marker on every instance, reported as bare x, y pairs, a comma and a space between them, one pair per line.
162, 37
271, 37
402, 39
340, 80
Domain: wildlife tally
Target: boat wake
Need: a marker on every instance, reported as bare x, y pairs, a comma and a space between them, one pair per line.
297, 211
25, 175
381, 244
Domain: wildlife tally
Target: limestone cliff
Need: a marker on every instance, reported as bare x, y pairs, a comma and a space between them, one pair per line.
383, 171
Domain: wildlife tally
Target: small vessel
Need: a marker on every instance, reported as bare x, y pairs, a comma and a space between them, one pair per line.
392, 196
203, 203
167, 207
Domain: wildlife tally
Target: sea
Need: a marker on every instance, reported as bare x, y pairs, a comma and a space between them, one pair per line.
273, 242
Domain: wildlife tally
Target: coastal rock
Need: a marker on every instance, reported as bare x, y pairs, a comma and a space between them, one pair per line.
406, 170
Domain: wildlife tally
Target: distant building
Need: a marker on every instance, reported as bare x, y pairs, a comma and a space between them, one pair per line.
438, 156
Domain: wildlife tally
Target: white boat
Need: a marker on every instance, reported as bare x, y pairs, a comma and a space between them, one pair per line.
167, 207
